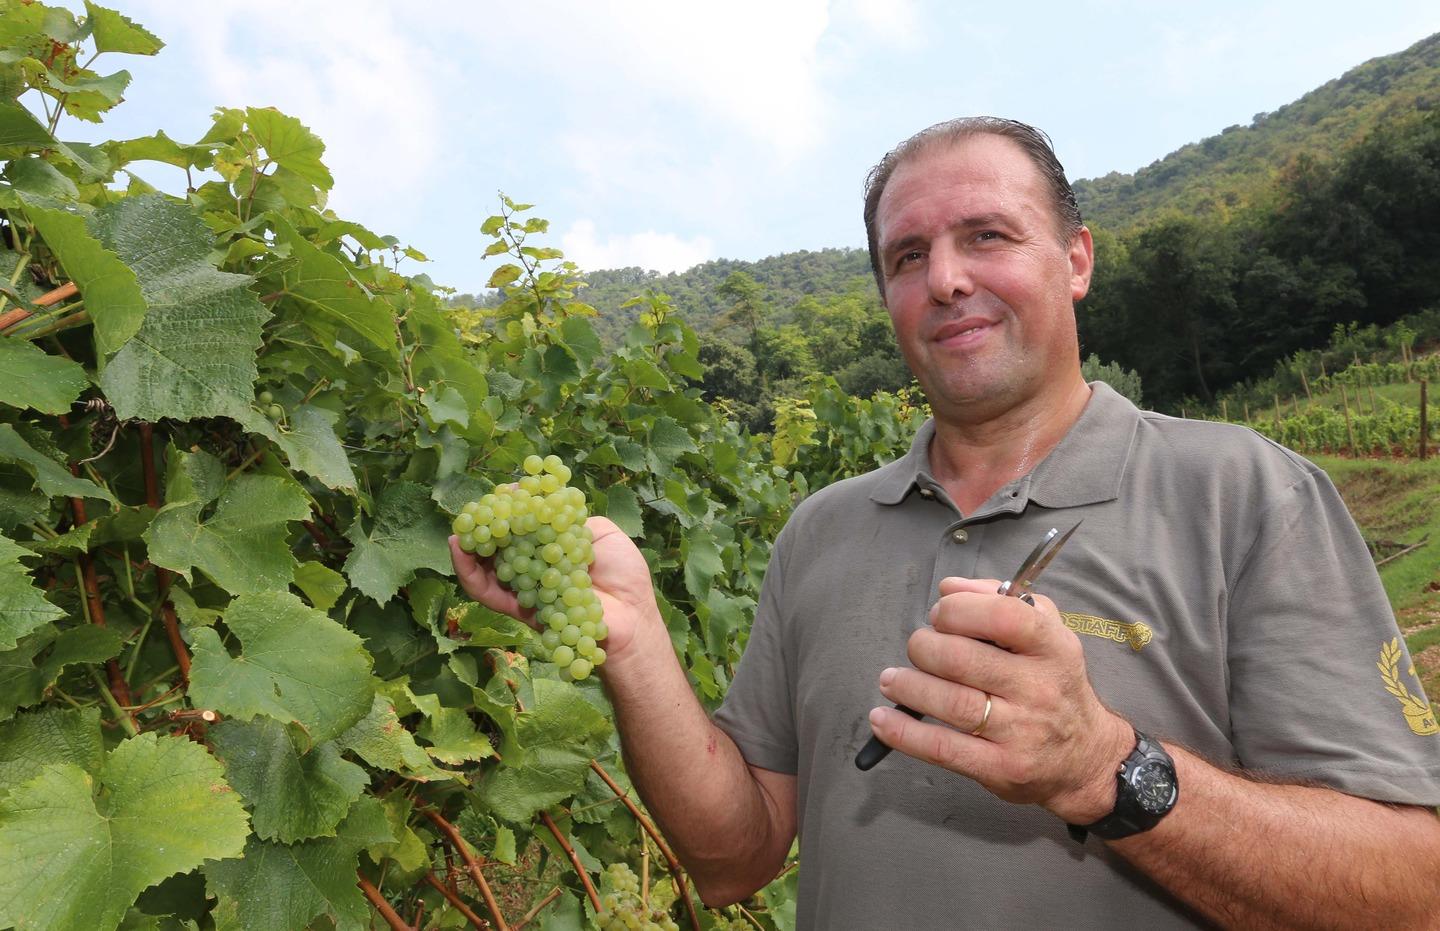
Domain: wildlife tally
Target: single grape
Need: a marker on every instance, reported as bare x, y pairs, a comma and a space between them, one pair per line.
563, 655
570, 635
526, 598
265, 398
463, 523
550, 639
552, 463
274, 412
584, 645
533, 465
580, 668
597, 656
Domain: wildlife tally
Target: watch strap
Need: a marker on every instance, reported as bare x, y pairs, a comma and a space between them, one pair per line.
1128, 816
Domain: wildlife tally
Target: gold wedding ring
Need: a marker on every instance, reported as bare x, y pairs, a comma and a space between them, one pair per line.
984, 718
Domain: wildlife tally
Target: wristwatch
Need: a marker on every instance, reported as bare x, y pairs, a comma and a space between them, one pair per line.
1146, 790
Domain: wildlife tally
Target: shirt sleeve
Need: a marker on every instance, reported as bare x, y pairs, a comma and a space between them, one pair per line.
759, 709
1322, 687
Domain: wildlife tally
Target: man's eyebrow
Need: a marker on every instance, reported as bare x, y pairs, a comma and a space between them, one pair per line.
979, 220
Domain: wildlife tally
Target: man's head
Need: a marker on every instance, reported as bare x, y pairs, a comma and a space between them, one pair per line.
1035, 144
980, 270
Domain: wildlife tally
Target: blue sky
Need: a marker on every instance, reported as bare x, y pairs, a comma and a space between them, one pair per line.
663, 134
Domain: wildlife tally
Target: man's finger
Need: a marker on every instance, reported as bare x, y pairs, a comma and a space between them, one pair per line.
958, 705
954, 583
480, 583
957, 751
1013, 624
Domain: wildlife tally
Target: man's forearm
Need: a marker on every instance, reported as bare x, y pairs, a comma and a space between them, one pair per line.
724, 825
1257, 855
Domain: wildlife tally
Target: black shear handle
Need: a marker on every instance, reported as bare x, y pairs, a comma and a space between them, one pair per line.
874, 751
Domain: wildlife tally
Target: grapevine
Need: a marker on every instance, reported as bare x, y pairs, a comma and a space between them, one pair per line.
233, 443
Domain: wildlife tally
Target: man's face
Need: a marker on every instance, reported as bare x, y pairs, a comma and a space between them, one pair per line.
979, 286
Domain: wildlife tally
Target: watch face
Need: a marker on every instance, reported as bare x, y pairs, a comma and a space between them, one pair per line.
1154, 784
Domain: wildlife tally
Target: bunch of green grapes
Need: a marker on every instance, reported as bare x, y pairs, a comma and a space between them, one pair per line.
622, 909
536, 531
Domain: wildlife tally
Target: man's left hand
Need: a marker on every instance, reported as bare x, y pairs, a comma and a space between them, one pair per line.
1048, 739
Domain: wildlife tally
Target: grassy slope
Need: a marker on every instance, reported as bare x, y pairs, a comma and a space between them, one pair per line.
1399, 501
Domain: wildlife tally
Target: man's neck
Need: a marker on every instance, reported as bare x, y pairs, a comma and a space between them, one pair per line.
972, 458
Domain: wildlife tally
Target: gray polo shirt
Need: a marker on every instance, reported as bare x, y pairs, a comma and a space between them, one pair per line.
1225, 601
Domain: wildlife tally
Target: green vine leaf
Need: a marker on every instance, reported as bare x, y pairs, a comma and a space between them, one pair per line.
243, 544
278, 888
114, 32
382, 741
112, 294
194, 354
556, 736
76, 850
408, 535
294, 793
277, 674
23, 608
33, 743
331, 297
50, 476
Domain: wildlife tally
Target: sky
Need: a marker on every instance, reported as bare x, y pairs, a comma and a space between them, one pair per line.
665, 133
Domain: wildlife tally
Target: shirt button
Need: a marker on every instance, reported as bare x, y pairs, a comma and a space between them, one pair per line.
960, 536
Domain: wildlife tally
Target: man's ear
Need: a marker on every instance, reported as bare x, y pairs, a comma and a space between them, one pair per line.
1082, 263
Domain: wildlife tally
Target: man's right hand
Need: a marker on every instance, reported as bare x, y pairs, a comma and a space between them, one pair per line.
619, 574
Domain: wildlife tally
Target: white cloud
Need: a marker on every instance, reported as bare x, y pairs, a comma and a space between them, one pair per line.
746, 65
894, 22
652, 251
351, 74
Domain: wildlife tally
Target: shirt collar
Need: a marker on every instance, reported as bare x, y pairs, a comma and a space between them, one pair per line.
1086, 467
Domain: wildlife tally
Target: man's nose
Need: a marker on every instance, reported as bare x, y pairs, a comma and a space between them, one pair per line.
949, 274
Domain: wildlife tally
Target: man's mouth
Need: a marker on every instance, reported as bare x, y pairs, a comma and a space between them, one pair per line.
961, 331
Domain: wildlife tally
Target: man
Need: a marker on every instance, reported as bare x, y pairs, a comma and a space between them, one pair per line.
1218, 601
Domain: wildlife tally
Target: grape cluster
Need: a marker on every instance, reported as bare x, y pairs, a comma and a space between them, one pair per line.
265, 400
622, 907
536, 531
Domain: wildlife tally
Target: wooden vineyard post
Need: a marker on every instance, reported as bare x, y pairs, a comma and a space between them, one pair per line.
1295, 403
1370, 386
1224, 410
1349, 430
1277, 415
1247, 413
1305, 383
1424, 418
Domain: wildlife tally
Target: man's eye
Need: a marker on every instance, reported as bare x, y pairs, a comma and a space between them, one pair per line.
914, 255
987, 236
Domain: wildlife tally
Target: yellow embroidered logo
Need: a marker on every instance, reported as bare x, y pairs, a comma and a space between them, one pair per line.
1418, 712
1136, 634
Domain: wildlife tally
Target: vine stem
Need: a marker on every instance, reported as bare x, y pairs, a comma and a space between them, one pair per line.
655, 835
391, 916
163, 576
471, 865
95, 608
539, 907
121, 715
574, 859
12, 317
455, 900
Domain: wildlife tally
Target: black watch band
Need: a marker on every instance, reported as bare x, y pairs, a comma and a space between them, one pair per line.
1146, 789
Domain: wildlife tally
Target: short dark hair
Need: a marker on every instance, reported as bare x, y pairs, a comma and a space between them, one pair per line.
1033, 141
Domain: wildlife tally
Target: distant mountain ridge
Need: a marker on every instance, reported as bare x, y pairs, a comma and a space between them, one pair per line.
1228, 170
